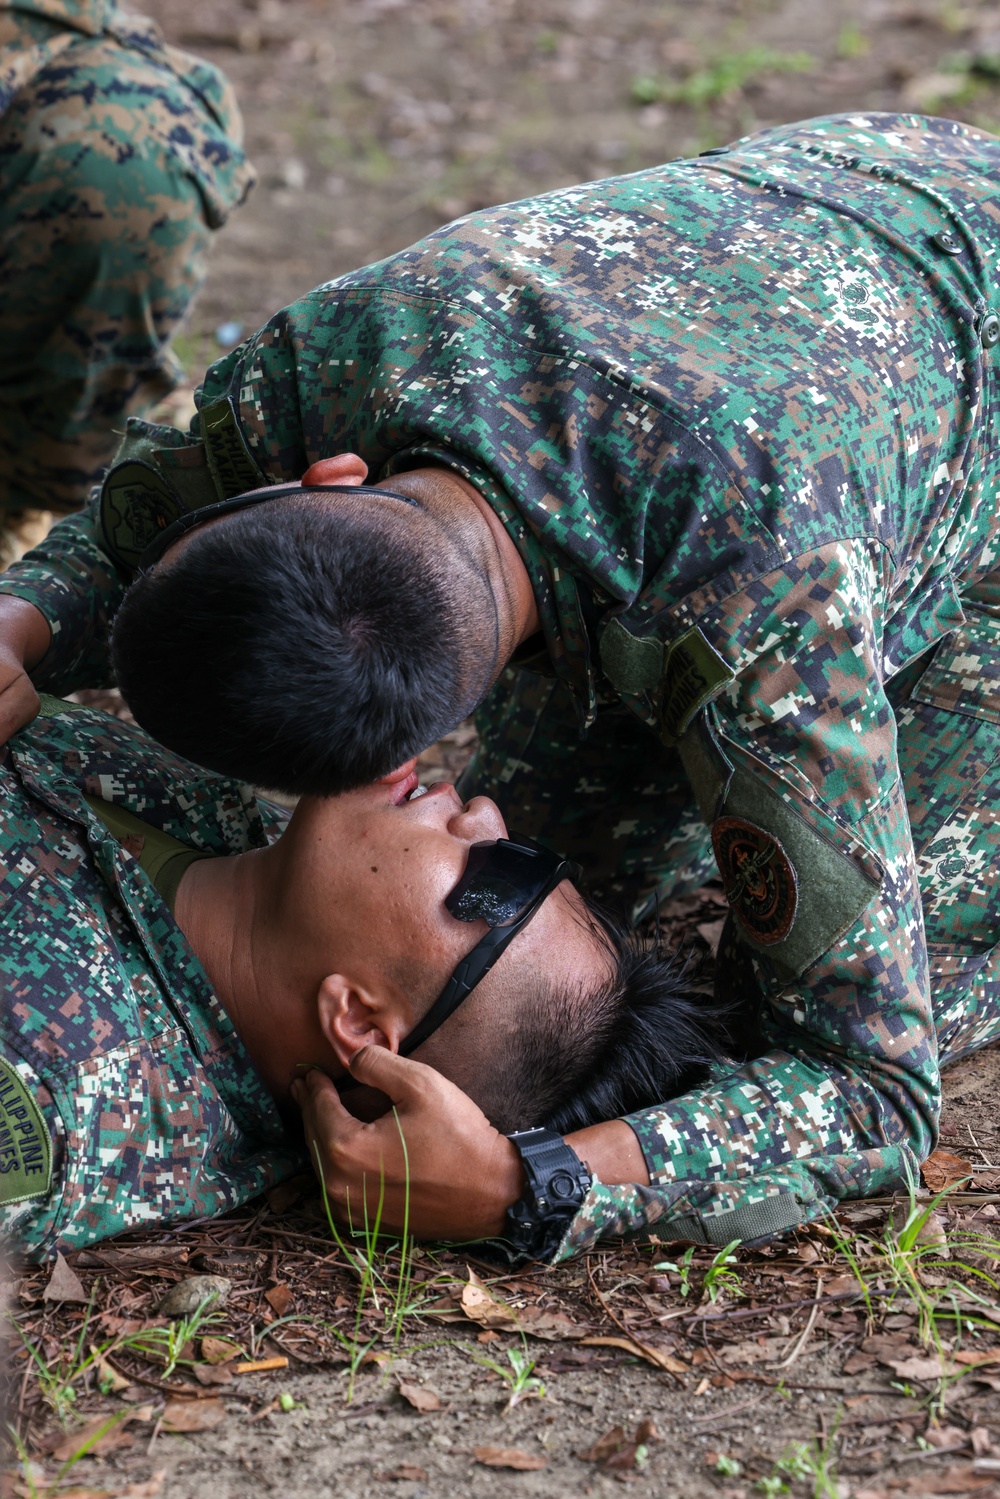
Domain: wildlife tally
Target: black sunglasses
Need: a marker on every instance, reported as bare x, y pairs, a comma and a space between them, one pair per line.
504, 884
192, 518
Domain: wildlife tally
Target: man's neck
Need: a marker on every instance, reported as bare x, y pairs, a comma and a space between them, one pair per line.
225, 910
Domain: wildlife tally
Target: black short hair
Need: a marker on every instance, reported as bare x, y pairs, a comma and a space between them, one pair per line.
304, 646
650, 1034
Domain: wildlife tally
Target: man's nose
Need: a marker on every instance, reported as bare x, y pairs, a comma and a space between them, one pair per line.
478, 821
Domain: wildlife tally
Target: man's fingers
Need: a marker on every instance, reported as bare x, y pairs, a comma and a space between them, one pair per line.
397, 1077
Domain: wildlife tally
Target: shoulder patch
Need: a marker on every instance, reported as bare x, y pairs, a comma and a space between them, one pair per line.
233, 467
137, 504
760, 881
693, 674
25, 1145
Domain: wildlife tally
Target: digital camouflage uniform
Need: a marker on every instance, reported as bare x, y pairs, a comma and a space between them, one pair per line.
126, 1096
738, 415
118, 157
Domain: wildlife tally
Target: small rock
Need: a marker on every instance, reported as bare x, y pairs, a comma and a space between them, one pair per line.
184, 1299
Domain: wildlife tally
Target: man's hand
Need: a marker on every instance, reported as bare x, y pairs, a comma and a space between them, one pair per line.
463, 1174
24, 639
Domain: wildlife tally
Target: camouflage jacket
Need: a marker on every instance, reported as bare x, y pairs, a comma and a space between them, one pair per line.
126, 1096
735, 413
207, 132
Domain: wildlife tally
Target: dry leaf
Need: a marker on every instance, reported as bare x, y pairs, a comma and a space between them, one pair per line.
108, 1378
409, 1471
945, 1436
420, 1397
64, 1284
943, 1169
481, 1306
67, 1446
549, 1326
604, 1447
919, 1368
213, 1374
509, 1457
857, 1363
279, 1299
646, 1432
218, 1350
654, 1356
192, 1415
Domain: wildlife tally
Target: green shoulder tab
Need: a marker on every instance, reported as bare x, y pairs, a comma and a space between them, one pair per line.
137, 503
25, 1146
693, 674
234, 468
630, 664
51, 707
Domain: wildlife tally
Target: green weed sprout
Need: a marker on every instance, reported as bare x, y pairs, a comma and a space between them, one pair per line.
520, 1379
169, 1342
718, 1278
813, 1463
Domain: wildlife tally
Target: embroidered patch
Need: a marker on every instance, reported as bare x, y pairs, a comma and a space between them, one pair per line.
137, 503
234, 468
760, 882
25, 1147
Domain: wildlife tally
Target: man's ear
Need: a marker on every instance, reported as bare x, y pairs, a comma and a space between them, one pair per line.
351, 1018
342, 468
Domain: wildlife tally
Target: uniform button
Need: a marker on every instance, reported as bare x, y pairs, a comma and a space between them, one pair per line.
715, 151
946, 241
989, 330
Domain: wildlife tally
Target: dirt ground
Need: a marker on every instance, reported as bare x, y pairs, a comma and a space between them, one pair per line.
370, 123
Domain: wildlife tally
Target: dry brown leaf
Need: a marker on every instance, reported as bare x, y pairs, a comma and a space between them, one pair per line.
509, 1457
551, 1327
604, 1447
480, 1305
646, 1432
961, 1479
975, 1360
64, 1284
115, 1437
411, 1471
919, 1368
192, 1415
655, 1356
420, 1397
109, 1380
944, 1436
213, 1374
218, 1350
279, 1299
857, 1363
943, 1169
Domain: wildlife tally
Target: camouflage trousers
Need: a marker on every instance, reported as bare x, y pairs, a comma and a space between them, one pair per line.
619, 803
103, 231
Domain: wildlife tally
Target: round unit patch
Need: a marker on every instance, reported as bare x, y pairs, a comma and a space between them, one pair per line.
759, 879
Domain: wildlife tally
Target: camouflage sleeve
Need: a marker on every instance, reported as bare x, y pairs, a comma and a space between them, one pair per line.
812, 836
77, 587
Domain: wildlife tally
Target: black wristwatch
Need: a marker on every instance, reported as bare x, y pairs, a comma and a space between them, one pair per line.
557, 1183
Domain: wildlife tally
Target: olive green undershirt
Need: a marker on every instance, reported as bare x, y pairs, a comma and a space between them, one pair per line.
161, 855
